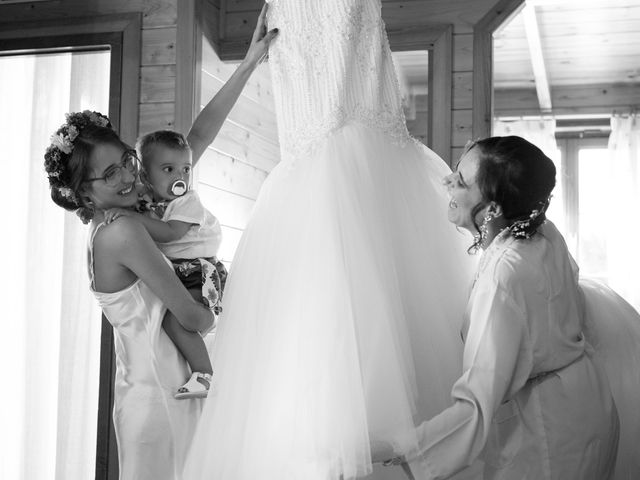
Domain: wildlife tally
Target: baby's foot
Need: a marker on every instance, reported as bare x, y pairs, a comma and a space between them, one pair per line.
197, 386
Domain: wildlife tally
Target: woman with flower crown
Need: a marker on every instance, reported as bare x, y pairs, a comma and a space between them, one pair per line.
90, 171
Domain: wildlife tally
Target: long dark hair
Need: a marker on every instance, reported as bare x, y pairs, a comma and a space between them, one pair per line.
519, 177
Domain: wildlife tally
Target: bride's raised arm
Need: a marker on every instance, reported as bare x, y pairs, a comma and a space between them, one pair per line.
208, 123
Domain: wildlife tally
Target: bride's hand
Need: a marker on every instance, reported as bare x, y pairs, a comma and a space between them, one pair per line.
260, 40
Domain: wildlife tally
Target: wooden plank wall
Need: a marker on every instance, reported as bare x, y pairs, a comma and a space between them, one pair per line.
239, 17
158, 58
570, 100
236, 164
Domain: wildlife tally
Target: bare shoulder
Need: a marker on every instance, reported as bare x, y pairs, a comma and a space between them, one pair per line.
124, 232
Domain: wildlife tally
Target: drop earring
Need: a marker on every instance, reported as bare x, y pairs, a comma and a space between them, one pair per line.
484, 228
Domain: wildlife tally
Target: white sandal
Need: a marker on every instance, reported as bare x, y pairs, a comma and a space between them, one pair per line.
193, 388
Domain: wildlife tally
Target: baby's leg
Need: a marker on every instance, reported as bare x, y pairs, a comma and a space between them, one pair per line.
189, 344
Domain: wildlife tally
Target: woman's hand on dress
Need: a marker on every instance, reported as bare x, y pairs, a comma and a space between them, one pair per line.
383, 452
260, 41
113, 213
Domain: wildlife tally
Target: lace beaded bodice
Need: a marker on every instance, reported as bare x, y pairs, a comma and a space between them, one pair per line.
330, 64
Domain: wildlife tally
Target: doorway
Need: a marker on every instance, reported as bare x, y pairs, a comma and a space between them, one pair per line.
51, 347
59, 351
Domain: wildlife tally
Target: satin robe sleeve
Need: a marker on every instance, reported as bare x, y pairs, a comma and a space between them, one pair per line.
497, 363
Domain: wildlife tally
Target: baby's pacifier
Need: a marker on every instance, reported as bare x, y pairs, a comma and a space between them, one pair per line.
178, 188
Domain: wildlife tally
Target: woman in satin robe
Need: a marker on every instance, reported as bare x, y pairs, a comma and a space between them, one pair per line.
531, 402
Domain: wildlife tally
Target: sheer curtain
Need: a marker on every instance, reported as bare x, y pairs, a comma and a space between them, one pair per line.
49, 350
542, 133
623, 251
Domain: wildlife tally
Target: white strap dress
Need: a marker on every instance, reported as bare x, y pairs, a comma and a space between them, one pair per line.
153, 430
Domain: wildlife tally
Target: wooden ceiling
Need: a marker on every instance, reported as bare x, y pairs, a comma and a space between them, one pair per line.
582, 44
236, 19
396, 13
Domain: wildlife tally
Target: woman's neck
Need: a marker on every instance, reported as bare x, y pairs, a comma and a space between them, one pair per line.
98, 216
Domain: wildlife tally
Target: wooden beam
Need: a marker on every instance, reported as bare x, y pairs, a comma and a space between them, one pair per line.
156, 13
483, 64
188, 61
440, 90
233, 50
210, 17
570, 99
537, 58
222, 23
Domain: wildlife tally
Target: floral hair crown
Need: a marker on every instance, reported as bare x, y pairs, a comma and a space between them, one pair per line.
59, 152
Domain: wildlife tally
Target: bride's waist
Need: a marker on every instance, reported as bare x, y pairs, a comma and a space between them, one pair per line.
302, 138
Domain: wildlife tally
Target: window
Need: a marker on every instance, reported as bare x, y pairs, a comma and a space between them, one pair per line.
583, 175
51, 345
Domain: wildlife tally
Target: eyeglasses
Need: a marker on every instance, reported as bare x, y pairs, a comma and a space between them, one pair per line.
114, 176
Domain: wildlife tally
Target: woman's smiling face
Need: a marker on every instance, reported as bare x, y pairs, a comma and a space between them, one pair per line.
105, 158
463, 190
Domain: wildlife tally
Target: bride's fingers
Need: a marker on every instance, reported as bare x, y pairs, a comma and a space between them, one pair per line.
261, 25
270, 35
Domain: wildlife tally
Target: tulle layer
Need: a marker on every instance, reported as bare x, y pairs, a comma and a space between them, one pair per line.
613, 330
341, 318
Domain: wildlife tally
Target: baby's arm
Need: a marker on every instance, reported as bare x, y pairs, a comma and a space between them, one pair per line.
160, 231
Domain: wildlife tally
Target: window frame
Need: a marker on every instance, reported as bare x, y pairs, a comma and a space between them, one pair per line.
120, 33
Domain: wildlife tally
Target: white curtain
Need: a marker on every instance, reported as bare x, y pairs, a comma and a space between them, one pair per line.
542, 133
623, 251
49, 350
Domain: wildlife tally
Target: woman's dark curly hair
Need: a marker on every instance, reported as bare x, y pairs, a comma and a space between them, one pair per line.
519, 177
68, 167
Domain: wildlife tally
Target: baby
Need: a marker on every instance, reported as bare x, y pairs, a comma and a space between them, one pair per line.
188, 234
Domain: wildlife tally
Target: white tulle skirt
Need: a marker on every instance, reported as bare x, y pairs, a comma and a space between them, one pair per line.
613, 330
341, 315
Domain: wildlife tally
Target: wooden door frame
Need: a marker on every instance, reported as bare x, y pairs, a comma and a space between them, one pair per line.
437, 38
121, 32
122, 35
483, 64
189, 37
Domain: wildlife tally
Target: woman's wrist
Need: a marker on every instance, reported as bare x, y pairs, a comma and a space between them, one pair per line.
248, 65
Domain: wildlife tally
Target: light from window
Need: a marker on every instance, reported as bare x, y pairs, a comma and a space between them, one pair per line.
592, 237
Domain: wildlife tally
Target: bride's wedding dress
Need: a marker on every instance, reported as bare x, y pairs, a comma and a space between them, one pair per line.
341, 322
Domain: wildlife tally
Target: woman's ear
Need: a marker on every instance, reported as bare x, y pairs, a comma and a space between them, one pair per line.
494, 209
83, 194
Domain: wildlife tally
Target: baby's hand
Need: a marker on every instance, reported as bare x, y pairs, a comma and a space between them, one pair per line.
113, 213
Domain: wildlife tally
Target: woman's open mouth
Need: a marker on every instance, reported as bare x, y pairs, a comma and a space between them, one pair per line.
126, 191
